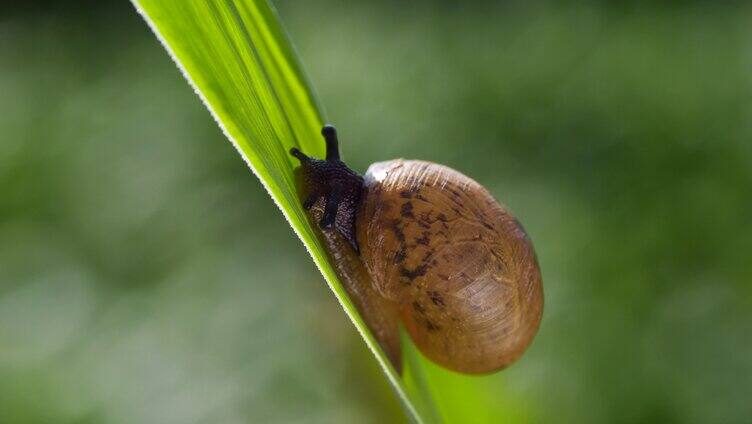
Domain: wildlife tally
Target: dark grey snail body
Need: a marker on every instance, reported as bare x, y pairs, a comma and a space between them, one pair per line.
420, 244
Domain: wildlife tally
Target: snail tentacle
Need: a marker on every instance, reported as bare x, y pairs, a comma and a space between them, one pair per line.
332, 145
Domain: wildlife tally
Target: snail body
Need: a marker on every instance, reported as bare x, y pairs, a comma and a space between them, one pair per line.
421, 244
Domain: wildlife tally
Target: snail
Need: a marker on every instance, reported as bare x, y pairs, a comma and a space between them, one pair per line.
422, 245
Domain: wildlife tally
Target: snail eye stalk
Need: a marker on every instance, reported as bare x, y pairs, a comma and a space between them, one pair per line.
332, 145
299, 155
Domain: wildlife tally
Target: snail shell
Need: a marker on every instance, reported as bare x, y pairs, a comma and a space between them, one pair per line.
460, 267
420, 244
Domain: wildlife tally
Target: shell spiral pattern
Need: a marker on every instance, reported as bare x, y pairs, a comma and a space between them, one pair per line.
460, 267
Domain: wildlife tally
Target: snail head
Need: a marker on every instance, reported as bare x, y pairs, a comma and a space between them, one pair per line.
340, 187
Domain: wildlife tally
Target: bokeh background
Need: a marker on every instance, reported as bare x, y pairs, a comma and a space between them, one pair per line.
145, 276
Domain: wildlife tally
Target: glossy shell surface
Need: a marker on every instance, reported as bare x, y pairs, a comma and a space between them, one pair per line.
460, 268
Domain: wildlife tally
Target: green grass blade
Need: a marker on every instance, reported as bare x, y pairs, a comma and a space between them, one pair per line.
238, 59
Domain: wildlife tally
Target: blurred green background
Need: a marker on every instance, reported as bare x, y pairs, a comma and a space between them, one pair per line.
145, 276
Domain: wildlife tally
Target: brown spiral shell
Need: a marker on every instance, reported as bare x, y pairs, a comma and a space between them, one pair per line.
460, 267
